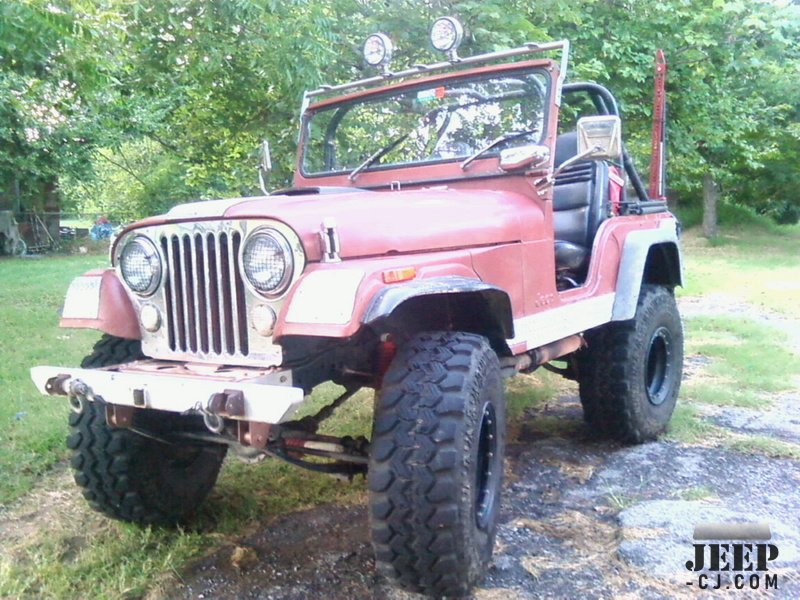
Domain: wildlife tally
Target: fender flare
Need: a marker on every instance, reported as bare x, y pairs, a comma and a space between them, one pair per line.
98, 300
387, 300
632, 267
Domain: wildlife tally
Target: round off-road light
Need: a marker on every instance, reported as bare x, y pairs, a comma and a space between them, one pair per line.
378, 50
140, 265
150, 318
446, 34
263, 318
268, 262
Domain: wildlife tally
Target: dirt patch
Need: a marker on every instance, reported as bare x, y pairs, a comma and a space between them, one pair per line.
54, 501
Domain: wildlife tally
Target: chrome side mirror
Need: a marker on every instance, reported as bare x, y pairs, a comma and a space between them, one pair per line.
264, 166
600, 137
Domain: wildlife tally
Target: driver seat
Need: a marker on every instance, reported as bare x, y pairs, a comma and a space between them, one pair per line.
580, 204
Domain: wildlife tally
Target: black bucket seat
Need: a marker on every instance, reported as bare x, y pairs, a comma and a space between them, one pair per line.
580, 204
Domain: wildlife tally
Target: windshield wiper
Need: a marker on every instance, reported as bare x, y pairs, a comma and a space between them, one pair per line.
506, 137
377, 155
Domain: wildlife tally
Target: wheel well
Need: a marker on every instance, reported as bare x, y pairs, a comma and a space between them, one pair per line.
486, 313
663, 265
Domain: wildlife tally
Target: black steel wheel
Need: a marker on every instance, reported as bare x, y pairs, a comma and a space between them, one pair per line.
630, 372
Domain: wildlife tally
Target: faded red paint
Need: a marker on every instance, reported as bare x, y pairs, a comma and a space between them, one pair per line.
385, 223
428, 265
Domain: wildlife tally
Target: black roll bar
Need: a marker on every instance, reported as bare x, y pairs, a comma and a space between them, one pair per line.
606, 104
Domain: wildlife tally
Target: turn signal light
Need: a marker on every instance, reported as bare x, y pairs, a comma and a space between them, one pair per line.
398, 275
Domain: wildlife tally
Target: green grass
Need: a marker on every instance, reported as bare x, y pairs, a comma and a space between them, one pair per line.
687, 426
32, 428
701, 492
119, 561
767, 446
748, 361
526, 391
759, 264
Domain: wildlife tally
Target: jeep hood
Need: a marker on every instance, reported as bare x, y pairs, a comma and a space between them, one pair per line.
380, 223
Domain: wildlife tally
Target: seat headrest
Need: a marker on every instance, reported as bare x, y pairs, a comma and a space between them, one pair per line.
566, 147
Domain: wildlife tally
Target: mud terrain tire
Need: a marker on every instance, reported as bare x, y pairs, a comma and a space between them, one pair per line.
630, 372
128, 476
436, 463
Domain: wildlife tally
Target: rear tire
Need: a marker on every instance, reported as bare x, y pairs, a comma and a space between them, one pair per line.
630, 372
436, 463
131, 477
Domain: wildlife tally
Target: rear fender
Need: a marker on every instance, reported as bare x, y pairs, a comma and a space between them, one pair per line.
648, 256
98, 300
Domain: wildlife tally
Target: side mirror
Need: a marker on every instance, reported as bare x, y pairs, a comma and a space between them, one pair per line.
264, 166
600, 137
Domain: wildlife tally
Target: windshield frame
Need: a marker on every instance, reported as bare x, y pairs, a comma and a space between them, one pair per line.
545, 68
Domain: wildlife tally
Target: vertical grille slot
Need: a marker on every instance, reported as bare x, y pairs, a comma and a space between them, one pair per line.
168, 293
205, 295
200, 292
176, 273
224, 292
238, 286
213, 278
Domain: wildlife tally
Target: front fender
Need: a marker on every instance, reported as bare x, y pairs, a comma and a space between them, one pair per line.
333, 300
98, 300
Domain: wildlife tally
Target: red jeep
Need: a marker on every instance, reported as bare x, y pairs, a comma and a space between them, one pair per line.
449, 225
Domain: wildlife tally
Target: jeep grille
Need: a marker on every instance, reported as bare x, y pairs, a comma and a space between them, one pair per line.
206, 310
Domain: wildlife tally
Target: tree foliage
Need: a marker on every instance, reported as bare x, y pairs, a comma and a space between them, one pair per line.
134, 105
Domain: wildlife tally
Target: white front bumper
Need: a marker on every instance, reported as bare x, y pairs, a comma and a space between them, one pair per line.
263, 402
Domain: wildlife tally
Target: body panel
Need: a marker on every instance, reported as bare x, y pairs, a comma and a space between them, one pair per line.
99, 300
385, 223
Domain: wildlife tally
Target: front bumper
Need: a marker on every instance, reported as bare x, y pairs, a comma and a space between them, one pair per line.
242, 394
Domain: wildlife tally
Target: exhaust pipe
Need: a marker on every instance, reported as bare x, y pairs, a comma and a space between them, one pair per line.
543, 354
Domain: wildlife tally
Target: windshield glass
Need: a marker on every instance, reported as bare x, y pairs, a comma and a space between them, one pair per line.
449, 121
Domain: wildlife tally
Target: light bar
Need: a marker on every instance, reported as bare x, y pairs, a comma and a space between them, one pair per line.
447, 35
378, 50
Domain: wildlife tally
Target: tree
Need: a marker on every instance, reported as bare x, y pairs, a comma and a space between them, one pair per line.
50, 79
168, 100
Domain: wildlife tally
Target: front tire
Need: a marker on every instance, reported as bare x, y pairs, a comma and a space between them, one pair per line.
130, 477
436, 463
630, 373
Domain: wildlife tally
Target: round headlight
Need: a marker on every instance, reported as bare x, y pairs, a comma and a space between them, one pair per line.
378, 50
140, 265
446, 34
268, 262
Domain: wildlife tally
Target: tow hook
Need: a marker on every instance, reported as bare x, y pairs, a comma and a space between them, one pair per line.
229, 403
77, 392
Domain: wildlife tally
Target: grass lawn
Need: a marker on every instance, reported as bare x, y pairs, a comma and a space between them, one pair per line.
84, 551
32, 427
759, 264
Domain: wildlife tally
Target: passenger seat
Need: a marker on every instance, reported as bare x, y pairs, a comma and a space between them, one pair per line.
580, 204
